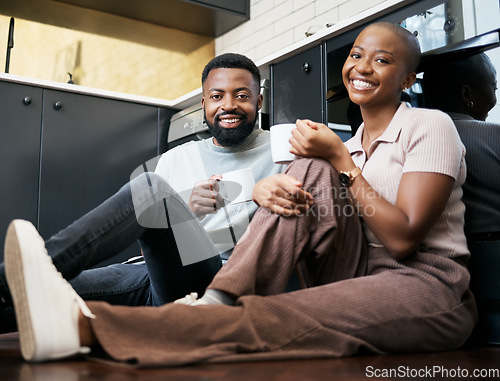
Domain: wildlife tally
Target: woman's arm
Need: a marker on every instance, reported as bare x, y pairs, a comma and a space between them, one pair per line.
422, 196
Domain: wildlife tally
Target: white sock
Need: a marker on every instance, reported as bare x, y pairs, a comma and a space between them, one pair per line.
215, 297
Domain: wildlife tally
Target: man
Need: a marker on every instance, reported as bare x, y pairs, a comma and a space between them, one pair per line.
465, 89
231, 100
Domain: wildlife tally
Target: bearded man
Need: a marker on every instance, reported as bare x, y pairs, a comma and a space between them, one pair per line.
174, 211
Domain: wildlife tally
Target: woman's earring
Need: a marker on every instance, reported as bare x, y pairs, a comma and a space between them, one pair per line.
470, 103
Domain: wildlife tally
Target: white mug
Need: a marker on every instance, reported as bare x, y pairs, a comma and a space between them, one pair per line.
238, 185
280, 145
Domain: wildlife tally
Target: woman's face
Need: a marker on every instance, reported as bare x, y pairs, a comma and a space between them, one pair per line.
375, 72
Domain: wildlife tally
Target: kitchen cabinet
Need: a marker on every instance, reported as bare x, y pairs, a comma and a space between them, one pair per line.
65, 153
204, 17
297, 87
90, 146
21, 113
240, 7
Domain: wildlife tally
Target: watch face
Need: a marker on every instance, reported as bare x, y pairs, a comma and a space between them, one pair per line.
345, 180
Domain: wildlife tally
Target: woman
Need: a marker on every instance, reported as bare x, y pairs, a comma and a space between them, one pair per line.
393, 280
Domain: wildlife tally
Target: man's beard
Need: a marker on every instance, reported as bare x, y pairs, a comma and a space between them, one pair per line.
229, 137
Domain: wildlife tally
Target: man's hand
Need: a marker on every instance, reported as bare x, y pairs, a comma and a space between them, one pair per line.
205, 197
282, 194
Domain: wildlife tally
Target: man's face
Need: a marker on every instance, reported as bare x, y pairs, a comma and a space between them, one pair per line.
231, 99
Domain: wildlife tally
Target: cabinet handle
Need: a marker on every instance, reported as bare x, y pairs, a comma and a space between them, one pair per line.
27, 101
306, 67
58, 105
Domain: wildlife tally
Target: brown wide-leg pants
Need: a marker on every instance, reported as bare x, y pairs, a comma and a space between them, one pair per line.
358, 300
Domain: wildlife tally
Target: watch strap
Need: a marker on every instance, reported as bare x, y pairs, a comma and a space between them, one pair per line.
355, 173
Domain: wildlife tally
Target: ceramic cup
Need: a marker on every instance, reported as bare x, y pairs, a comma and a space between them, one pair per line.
280, 145
237, 186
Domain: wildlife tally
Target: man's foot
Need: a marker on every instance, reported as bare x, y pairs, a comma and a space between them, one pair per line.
189, 300
46, 306
211, 297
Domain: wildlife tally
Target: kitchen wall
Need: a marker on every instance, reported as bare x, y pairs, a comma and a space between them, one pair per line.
276, 24
52, 39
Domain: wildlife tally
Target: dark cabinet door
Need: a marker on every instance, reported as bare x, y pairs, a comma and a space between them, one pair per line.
90, 146
20, 111
297, 88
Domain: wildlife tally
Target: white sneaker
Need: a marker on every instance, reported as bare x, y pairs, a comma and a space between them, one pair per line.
46, 305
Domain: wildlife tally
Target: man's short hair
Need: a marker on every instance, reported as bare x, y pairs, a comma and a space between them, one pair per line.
232, 61
444, 79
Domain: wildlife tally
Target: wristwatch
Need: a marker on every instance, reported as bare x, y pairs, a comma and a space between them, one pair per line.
346, 178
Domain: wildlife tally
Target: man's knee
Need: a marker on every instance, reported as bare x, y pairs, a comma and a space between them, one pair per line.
150, 184
151, 180
150, 195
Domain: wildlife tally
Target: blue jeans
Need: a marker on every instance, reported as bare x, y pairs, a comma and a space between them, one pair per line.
113, 226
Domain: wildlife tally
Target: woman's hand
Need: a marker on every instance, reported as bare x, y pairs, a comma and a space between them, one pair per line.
311, 139
282, 194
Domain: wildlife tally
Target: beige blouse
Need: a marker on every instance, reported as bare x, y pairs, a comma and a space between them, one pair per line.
418, 140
